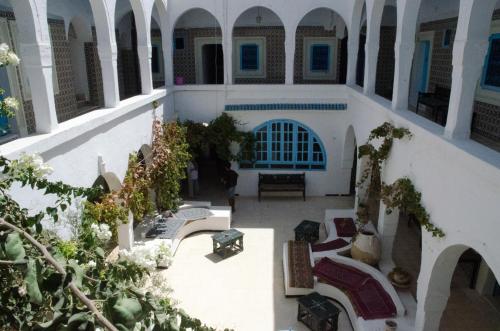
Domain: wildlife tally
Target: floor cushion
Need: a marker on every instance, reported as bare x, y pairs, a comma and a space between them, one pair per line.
345, 227
339, 275
372, 301
330, 245
299, 264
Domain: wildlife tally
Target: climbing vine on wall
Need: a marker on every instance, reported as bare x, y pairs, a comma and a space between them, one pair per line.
377, 155
403, 195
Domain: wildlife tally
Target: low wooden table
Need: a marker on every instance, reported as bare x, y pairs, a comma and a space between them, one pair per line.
318, 313
307, 231
230, 240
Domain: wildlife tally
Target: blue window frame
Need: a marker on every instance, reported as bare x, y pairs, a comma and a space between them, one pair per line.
320, 58
249, 57
491, 69
286, 144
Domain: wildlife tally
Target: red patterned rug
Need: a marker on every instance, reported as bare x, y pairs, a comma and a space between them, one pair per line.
299, 263
367, 295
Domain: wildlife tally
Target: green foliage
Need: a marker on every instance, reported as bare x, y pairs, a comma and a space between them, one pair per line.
403, 195
106, 210
387, 132
135, 190
39, 271
220, 133
169, 162
196, 137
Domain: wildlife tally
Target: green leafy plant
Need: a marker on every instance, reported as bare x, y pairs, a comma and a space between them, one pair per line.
54, 284
135, 189
170, 157
403, 195
387, 132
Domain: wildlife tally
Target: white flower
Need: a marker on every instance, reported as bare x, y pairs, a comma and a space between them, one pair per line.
101, 231
11, 103
4, 48
13, 59
91, 264
148, 255
33, 162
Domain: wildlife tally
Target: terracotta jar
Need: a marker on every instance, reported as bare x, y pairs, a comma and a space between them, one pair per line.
366, 248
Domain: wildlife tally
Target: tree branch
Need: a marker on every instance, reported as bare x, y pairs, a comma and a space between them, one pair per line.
89, 303
5, 262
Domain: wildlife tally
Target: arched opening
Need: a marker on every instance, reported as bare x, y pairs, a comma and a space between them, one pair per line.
85, 65
321, 48
129, 75
157, 58
350, 158
430, 81
144, 155
198, 53
385, 63
360, 65
474, 296
258, 48
485, 126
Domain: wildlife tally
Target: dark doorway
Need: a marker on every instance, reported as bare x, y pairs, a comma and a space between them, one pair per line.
213, 64
360, 67
352, 190
343, 61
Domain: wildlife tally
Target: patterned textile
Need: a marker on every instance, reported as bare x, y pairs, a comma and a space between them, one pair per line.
367, 295
299, 264
329, 246
345, 227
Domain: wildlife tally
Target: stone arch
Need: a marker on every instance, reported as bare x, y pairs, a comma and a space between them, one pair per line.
112, 180
198, 54
145, 154
265, 48
324, 29
434, 291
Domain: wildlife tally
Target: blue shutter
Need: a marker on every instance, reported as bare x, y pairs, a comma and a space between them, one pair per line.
492, 68
320, 57
286, 144
249, 57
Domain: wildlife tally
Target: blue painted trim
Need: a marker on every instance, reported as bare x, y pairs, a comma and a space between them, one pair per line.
425, 66
484, 86
287, 106
241, 57
311, 57
294, 163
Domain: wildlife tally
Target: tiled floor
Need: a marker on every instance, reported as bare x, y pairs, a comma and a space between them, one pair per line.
245, 291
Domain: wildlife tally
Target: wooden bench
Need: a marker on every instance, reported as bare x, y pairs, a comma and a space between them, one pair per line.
282, 183
438, 101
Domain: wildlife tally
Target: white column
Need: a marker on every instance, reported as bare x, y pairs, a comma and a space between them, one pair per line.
361, 190
107, 49
352, 52
36, 57
228, 55
289, 55
387, 228
167, 36
374, 10
404, 49
37, 61
469, 50
145, 56
108, 55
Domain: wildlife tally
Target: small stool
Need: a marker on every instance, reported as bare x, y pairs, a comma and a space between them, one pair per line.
307, 231
318, 313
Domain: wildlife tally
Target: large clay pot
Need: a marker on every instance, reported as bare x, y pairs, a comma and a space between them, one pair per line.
366, 248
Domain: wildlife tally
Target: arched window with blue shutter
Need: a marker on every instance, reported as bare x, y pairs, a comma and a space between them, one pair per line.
286, 144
